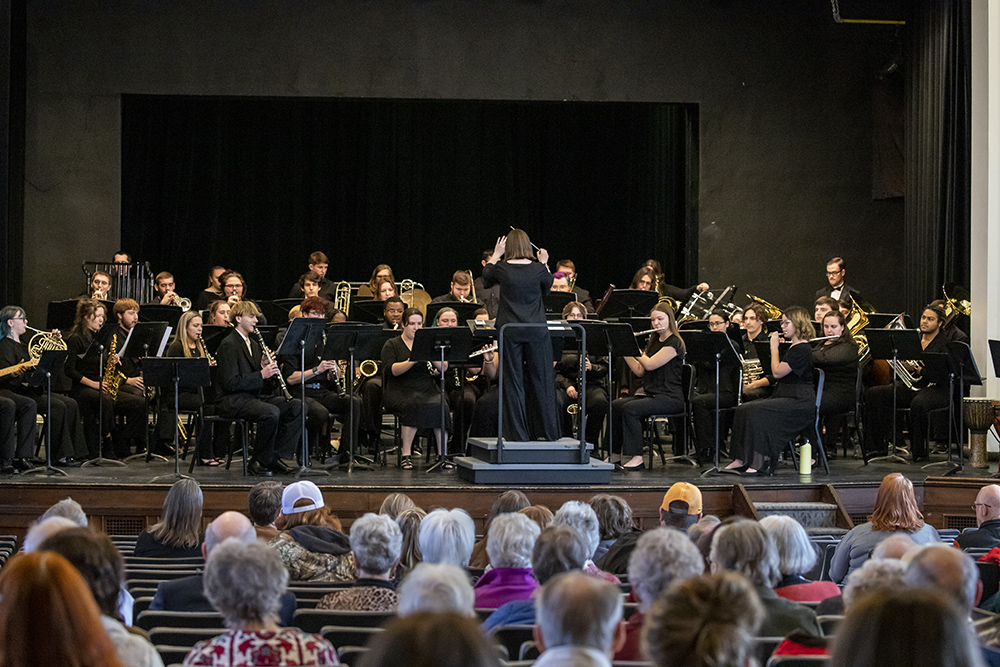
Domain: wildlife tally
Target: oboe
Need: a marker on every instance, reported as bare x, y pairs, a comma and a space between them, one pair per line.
271, 360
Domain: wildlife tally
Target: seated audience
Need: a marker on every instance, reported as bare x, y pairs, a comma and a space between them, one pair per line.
264, 504
614, 516
579, 621
409, 521
437, 588
447, 536
102, 567
895, 512
746, 548
44, 529
375, 544
431, 640
721, 615
986, 534
395, 503
178, 532
245, 582
69, 509
540, 514
681, 506
796, 556
310, 542
661, 558
557, 550
509, 544
892, 548
188, 593
508, 501
49, 617
581, 516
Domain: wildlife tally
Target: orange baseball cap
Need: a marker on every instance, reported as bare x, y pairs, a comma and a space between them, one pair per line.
683, 492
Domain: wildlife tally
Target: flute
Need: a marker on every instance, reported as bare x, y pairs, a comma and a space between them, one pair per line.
642, 333
271, 360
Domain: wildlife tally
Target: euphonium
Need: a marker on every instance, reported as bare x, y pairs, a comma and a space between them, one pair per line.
112, 376
953, 307
44, 340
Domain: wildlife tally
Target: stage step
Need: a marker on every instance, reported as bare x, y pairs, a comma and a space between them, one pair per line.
563, 450
481, 472
815, 516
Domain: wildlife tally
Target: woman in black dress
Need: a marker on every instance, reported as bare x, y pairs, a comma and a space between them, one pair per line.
660, 369
527, 352
411, 390
763, 428
838, 357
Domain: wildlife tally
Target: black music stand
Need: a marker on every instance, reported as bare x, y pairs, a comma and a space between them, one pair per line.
763, 349
556, 301
288, 303
61, 314
303, 333
178, 372
367, 310
712, 347
772, 325
157, 312
892, 344
269, 332
212, 336
613, 339
995, 356
97, 347
883, 320
272, 312
146, 336
464, 309
630, 303
961, 364
442, 344
49, 364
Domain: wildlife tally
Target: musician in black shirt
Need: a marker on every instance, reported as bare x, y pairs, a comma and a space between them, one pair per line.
568, 382
318, 264
13, 324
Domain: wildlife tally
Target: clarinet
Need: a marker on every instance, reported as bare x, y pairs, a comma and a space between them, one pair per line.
271, 360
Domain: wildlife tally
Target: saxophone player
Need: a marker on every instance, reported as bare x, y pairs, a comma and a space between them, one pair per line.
131, 397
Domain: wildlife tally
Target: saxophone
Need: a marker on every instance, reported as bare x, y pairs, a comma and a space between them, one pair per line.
112, 377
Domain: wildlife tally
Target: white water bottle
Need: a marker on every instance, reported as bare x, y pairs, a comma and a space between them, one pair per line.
805, 458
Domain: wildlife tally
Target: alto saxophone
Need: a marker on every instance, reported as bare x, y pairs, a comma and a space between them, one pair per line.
112, 376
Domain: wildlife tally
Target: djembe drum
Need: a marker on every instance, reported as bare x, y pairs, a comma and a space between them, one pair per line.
978, 413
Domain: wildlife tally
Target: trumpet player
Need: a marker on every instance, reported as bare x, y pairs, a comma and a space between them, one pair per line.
165, 294
234, 290
460, 289
243, 392
930, 392
318, 264
568, 268
99, 287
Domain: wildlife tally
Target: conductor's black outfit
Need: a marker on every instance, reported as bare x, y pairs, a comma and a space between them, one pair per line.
242, 393
528, 378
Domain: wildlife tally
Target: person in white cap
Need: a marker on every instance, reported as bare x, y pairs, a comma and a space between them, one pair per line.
311, 543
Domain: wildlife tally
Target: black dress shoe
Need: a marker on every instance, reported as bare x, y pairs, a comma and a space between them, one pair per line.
20, 465
279, 467
6, 468
256, 468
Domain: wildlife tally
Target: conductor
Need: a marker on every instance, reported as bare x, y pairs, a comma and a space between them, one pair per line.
527, 353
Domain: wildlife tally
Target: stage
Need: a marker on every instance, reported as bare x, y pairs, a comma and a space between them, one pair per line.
124, 500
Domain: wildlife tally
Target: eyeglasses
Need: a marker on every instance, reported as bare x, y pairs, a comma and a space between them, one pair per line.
834, 273
18, 318
975, 505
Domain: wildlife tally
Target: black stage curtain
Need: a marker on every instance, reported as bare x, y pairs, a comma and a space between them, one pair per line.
256, 184
938, 144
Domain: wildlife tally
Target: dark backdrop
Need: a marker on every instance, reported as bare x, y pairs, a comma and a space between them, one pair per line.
256, 184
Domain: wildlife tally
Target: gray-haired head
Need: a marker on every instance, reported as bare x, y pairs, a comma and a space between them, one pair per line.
746, 548
227, 525
376, 542
874, 576
581, 516
894, 546
558, 549
947, 571
796, 554
67, 508
244, 581
447, 536
577, 609
702, 527
511, 540
439, 587
45, 529
661, 557
264, 502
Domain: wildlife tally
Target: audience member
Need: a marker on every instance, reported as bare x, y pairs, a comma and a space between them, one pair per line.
102, 567
895, 512
264, 504
540, 514
746, 548
311, 544
986, 534
395, 503
188, 593
375, 545
178, 532
721, 615
681, 506
891, 548
431, 640
579, 621
44, 529
509, 545
49, 617
437, 588
447, 536
796, 557
409, 521
915, 628
508, 501
581, 516
614, 516
558, 549
245, 582
661, 557
69, 509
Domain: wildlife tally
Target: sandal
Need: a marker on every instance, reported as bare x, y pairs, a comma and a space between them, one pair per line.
406, 463
210, 463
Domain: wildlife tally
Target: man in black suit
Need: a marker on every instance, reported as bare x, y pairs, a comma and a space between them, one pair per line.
836, 271
188, 593
241, 373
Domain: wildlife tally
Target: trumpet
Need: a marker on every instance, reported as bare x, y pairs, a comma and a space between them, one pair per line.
182, 302
271, 360
99, 295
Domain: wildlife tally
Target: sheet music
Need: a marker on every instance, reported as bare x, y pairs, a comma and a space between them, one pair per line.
163, 342
121, 352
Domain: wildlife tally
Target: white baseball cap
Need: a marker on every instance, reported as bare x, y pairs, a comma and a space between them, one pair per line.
296, 492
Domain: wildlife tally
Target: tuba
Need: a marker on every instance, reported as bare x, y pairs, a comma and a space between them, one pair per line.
857, 320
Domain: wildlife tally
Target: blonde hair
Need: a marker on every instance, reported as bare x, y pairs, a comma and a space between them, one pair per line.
896, 506
243, 308
409, 521
181, 522
182, 335
802, 321
672, 327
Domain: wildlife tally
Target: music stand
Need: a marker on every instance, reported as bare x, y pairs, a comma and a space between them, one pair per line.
61, 314
465, 310
613, 339
995, 356
272, 312
97, 347
442, 344
367, 310
212, 336
303, 333
556, 301
693, 325
157, 312
50, 363
771, 326
630, 303
269, 332
712, 347
146, 336
763, 349
893, 344
961, 364
882, 320
186, 372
